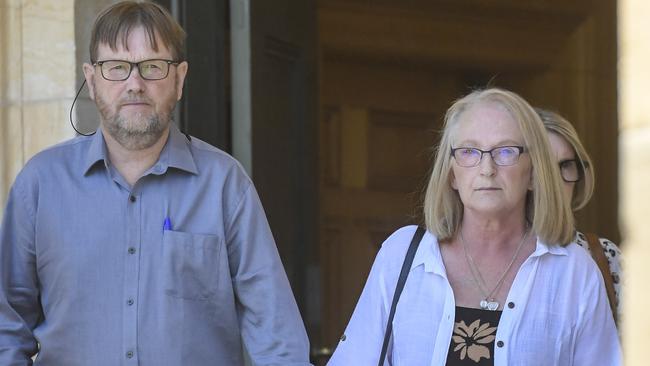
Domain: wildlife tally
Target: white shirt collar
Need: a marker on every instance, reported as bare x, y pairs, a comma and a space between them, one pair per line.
429, 255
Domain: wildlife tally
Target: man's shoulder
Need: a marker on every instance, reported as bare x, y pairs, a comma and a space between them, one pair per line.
213, 162
63, 153
202, 149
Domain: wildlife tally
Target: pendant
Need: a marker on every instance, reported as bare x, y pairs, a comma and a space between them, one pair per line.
489, 305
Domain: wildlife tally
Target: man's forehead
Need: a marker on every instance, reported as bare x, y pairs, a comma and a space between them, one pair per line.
135, 43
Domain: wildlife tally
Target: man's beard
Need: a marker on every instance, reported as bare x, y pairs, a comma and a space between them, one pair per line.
138, 132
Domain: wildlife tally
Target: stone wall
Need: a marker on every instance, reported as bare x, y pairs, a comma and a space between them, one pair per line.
44, 44
634, 79
37, 80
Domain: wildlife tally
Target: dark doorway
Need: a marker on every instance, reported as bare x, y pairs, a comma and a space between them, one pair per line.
204, 111
257, 100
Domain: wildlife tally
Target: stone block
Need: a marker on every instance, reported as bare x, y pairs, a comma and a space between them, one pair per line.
45, 124
48, 50
11, 151
11, 55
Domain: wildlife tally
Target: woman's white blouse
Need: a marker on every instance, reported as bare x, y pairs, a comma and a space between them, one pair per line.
556, 313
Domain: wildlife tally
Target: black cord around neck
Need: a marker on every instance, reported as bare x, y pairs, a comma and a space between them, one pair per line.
72, 108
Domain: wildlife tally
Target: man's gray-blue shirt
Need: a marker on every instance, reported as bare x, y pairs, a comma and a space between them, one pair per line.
177, 270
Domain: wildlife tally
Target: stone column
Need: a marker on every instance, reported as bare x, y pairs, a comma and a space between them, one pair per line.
634, 76
44, 44
37, 80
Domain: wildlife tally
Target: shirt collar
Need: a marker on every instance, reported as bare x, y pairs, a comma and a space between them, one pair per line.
176, 153
97, 152
542, 248
429, 255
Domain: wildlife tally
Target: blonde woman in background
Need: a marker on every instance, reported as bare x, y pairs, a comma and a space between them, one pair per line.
577, 174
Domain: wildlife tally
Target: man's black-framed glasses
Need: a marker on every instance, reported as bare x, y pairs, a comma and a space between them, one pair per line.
572, 170
468, 157
120, 70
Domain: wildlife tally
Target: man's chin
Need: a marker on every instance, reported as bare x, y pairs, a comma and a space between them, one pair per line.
137, 135
134, 141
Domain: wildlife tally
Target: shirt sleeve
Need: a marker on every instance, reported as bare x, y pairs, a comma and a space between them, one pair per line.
272, 329
20, 310
363, 338
597, 341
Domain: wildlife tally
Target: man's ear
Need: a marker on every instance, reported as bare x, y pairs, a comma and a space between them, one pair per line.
181, 72
89, 74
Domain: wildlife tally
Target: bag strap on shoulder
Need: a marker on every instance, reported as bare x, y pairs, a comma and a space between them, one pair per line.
598, 255
406, 267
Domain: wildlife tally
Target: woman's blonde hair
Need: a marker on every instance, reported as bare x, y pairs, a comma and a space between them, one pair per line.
584, 188
546, 208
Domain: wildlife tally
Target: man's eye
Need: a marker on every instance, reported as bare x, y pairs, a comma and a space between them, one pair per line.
151, 67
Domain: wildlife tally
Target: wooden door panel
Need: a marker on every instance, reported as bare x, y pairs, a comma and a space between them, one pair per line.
373, 164
398, 143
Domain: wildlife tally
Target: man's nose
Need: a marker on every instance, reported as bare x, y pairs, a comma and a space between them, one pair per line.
135, 82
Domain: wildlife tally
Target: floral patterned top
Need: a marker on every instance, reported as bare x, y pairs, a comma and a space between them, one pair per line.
472, 342
613, 255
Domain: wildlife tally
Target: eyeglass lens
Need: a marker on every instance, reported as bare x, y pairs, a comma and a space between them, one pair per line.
149, 69
503, 156
570, 170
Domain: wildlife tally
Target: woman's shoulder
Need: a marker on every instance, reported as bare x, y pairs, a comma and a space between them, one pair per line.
400, 239
611, 250
394, 248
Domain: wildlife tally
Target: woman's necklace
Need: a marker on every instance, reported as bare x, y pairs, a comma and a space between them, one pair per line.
489, 302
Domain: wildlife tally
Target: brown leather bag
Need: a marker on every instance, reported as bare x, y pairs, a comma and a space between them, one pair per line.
599, 256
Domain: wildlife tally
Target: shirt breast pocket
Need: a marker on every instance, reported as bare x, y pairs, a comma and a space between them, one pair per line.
192, 265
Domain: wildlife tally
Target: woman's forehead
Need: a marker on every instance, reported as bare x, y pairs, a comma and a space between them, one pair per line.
487, 124
560, 146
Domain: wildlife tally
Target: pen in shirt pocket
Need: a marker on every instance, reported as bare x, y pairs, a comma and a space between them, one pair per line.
167, 224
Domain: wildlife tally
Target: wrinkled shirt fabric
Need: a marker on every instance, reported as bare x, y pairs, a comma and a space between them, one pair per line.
559, 316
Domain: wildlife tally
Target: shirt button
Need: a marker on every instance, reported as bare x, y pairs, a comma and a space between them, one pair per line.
132, 198
129, 354
511, 305
131, 250
500, 344
343, 338
129, 302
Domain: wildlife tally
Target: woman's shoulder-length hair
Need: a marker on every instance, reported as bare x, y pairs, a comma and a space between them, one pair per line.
584, 188
546, 209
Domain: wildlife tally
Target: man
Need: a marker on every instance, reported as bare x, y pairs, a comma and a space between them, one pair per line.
140, 245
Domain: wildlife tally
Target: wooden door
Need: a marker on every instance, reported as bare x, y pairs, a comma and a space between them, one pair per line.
204, 110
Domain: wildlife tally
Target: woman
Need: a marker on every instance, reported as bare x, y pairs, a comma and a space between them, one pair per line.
494, 281
578, 184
